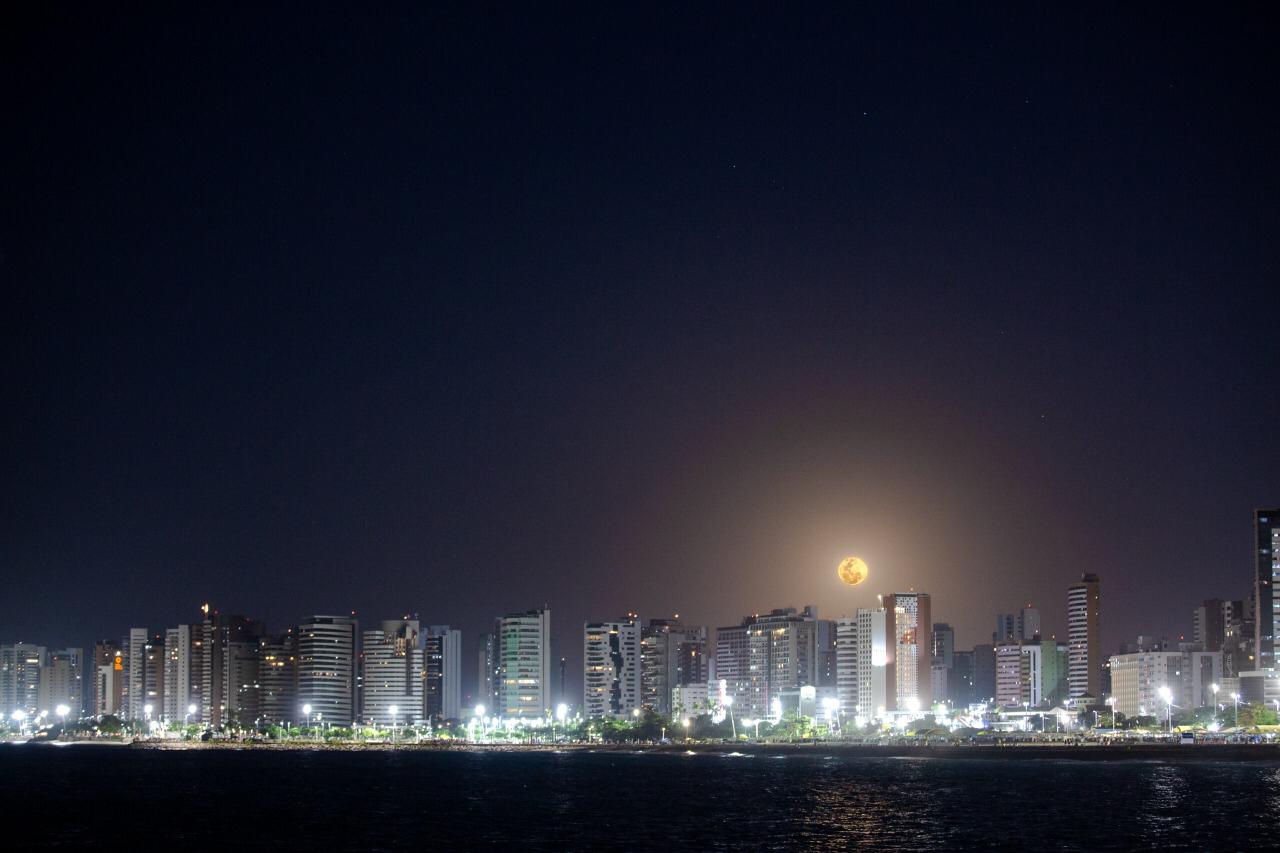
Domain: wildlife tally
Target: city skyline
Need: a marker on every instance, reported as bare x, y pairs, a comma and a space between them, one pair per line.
434, 330
1081, 645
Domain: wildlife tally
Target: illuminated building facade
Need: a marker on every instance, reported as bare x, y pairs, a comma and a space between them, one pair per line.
909, 619
611, 668
770, 653
442, 671
671, 655
524, 664
1084, 639
327, 668
391, 666
278, 679
1266, 588
20, 666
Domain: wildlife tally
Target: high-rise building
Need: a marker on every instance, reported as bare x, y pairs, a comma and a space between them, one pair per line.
1011, 686
229, 665
442, 669
1266, 588
327, 668
133, 691
108, 678
1136, 680
671, 655
960, 681
944, 644
824, 652
847, 663
1237, 637
524, 664
876, 665
153, 678
392, 673
984, 673
1053, 672
733, 660
62, 682
1029, 624
1206, 625
278, 679
1020, 627
487, 684
767, 655
865, 669
1201, 670
912, 638
20, 666
1084, 640
183, 674
611, 668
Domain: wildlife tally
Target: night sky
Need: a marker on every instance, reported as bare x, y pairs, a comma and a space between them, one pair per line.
460, 312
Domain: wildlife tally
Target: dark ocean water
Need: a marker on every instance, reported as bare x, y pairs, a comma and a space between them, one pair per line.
135, 800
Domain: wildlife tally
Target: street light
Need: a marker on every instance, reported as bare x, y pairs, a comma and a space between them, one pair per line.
62, 711
306, 715
1214, 688
394, 709
728, 703
685, 721
562, 711
191, 709
146, 710
831, 705
1236, 698
1167, 695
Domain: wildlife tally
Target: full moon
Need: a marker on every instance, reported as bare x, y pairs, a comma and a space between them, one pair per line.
852, 570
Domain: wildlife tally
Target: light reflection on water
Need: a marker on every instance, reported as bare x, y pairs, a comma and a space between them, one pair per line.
609, 801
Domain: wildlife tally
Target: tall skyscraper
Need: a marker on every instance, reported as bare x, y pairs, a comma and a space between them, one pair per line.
960, 681
278, 678
1029, 624
391, 666
1266, 589
442, 663
524, 664
133, 692
944, 644
611, 668
181, 674
671, 655
1206, 625
1084, 642
20, 666
487, 683
913, 640
62, 682
865, 666
229, 663
1053, 672
1020, 627
767, 655
108, 678
1011, 685
1238, 637
984, 673
877, 662
327, 668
